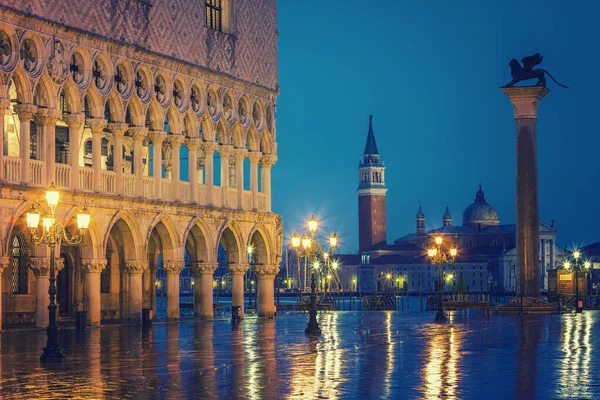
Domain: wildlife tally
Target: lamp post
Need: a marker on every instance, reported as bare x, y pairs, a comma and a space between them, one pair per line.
439, 258
576, 254
312, 251
53, 232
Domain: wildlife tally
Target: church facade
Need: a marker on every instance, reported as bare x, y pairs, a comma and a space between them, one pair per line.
159, 117
486, 258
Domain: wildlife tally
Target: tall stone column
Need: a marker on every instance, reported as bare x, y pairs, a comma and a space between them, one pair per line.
525, 101
239, 155
175, 141
157, 138
97, 126
237, 284
138, 134
209, 151
266, 289
41, 269
118, 131
4, 262
254, 157
4, 105
48, 118
25, 113
75, 121
93, 300
192, 146
173, 269
225, 153
203, 289
266, 163
135, 268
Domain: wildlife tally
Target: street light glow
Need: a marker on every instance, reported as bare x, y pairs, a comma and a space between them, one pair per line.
432, 252
567, 265
438, 240
334, 265
388, 276
295, 240
52, 196
453, 252
312, 224
576, 254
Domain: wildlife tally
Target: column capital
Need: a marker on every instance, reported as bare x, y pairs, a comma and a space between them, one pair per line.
4, 104
209, 147
173, 267
47, 116
239, 154
136, 266
266, 270
74, 120
268, 160
157, 137
525, 100
199, 268
254, 156
41, 265
97, 125
138, 133
117, 128
94, 266
238, 268
175, 139
225, 150
192, 144
4, 262
25, 111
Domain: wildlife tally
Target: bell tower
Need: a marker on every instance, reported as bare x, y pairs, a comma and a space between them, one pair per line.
371, 196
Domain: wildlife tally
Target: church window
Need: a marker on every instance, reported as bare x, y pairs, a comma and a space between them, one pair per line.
20, 265
213, 14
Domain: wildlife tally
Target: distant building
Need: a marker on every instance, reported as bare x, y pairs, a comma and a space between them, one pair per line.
487, 252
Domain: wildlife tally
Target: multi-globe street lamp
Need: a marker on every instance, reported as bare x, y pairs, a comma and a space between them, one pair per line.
438, 257
576, 254
52, 233
313, 252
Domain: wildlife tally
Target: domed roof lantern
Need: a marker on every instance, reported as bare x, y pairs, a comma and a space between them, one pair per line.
447, 219
480, 214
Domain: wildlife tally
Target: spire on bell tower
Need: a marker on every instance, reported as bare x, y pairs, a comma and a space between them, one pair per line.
420, 220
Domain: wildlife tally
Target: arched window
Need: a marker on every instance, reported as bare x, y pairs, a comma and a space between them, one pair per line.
20, 264
87, 147
107, 113
104, 146
128, 116
86, 108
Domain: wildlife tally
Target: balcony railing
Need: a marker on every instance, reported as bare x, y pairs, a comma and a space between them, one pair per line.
107, 184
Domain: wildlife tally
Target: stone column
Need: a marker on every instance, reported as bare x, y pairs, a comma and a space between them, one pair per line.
118, 131
192, 145
93, 302
97, 126
239, 155
203, 289
525, 101
266, 163
47, 118
138, 134
254, 157
4, 262
75, 121
209, 151
175, 141
157, 138
173, 269
237, 284
25, 113
266, 289
41, 269
4, 105
135, 268
225, 153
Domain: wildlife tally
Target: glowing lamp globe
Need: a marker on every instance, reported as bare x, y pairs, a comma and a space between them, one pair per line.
33, 218
453, 252
587, 265
438, 240
306, 242
576, 254
295, 240
52, 195
47, 223
567, 265
432, 252
83, 219
312, 224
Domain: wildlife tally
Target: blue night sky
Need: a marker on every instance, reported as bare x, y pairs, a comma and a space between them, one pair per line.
429, 72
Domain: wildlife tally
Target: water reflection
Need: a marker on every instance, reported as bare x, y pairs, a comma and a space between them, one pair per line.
441, 373
529, 336
574, 372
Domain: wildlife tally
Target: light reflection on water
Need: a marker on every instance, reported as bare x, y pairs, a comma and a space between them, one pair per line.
359, 355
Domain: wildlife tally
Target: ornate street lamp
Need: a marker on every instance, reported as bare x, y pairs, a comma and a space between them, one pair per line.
576, 254
313, 252
51, 233
438, 257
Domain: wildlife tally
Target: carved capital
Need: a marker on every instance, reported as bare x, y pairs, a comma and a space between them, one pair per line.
136, 266
209, 147
525, 100
4, 104
268, 160
157, 137
266, 270
238, 268
225, 150
254, 156
97, 125
47, 116
138, 133
117, 128
4, 262
25, 111
202, 268
192, 144
40, 266
173, 267
93, 266
74, 120
239, 154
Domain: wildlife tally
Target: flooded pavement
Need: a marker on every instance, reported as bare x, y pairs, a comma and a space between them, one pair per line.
359, 355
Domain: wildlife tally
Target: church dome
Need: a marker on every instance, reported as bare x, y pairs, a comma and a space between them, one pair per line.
480, 213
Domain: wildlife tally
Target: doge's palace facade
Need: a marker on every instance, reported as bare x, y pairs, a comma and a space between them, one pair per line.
159, 116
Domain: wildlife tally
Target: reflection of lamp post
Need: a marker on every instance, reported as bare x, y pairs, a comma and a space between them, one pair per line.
250, 251
313, 250
439, 258
52, 233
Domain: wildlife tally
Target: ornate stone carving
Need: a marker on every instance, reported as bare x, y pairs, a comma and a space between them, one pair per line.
525, 100
242, 112
160, 89
238, 268
25, 111
4, 262
211, 103
29, 55
157, 137
256, 116
93, 266
142, 86
117, 129
196, 99
209, 147
266, 270
136, 266
228, 109
173, 267
97, 125
74, 120
268, 160
279, 236
178, 94
254, 156
6, 49
239, 154
77, 68
40, 266
192, 144
199, 268
58, 64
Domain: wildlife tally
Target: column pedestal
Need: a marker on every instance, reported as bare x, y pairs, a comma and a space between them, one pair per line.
135, 268
237, 285
173, 269
266, 289
93, 302
203, 286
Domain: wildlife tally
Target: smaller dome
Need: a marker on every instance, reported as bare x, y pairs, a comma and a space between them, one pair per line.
480, 213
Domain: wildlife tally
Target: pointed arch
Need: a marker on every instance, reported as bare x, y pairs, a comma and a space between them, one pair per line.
115, 105
197, 240
259, 240
208, 128
230, 238
167, 234
45, 92
223, 133
191, 125
128, 227
73, 97
155, 116
266, 143
253, 139
23, 87
93, 103
239, 136
174, 120
136, 111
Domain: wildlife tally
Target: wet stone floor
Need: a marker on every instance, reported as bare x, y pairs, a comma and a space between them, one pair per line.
360, 355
